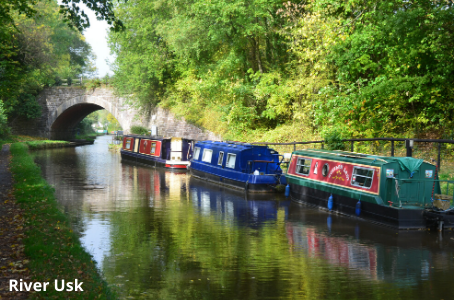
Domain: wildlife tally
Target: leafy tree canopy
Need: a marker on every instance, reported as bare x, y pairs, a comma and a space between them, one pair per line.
37, 51
366, 68
70, 9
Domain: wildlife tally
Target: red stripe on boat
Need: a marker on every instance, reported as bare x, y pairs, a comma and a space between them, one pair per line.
176, 166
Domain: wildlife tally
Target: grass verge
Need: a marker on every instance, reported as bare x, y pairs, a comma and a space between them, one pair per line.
54, 249
45, 144
88, 137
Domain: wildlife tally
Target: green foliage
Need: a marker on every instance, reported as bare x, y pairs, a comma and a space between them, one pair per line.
92, 84
108, 121
72, 13
4, 129
29, 107
189, 56
106, 80
45, 144
139, 130
113, 124
393, 68
36, 50
243, 68
85, 127
333, 141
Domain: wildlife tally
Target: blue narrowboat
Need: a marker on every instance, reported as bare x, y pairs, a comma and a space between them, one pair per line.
238, 165
173, 153
402, 192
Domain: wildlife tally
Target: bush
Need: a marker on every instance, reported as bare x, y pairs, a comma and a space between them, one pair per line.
85, 127
139, 130
4, 129
333, 141
92, 84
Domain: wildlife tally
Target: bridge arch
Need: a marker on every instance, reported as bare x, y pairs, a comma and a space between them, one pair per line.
63, 120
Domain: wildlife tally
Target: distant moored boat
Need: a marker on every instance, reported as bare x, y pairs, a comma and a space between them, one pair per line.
171, 153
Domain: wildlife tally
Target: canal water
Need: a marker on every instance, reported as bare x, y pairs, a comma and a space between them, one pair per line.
158, 234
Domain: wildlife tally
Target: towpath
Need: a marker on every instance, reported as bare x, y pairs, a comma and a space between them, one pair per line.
13, 263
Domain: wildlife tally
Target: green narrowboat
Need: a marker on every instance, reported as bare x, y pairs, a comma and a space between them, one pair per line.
402, 192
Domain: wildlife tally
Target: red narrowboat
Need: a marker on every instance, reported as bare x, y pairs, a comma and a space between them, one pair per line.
173, 153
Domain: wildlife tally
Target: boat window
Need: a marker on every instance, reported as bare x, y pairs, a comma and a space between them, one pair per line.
197, 150
128, 144
303, 166
362, 177
207, 155
230, 161
153, 148
220, 158
325, 170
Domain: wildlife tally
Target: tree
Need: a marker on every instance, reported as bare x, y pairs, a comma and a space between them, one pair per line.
70, 9
393, 68
37, 51
366, 68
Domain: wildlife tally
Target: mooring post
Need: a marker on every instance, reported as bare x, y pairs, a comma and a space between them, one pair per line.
392, 149
322, 145
439, 156
352, 146
294, 145
409, 145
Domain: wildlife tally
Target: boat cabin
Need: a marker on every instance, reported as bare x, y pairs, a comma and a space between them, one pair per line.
169, 152
237, 164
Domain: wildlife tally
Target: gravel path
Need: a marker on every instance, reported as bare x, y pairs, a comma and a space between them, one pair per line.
12, 259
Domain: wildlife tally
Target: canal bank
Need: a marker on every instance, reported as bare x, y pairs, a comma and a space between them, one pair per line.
38, 244
12, 257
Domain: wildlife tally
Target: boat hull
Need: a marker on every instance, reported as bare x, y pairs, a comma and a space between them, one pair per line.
234, 184
399, 218
153, 161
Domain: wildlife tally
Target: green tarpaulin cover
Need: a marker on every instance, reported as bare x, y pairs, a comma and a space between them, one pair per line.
409, 164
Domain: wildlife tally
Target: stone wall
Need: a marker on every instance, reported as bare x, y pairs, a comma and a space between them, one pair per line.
169, 125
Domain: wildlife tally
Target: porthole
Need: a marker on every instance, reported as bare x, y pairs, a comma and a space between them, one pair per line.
325, 170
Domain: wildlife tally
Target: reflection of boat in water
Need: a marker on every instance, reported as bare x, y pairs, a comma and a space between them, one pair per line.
237, 165
250, 209
395, 191
402, 258
173, 153
156, 184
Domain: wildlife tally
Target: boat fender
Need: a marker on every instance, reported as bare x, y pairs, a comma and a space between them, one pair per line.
330, 202
287, 191
357, 208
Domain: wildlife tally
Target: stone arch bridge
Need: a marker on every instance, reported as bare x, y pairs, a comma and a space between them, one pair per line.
64, 107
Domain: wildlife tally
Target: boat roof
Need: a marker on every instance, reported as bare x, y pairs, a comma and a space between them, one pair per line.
237, 146
154, 137
360, 158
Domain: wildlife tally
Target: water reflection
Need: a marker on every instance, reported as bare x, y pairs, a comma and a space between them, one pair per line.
401, 258
158, 234
237, 206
